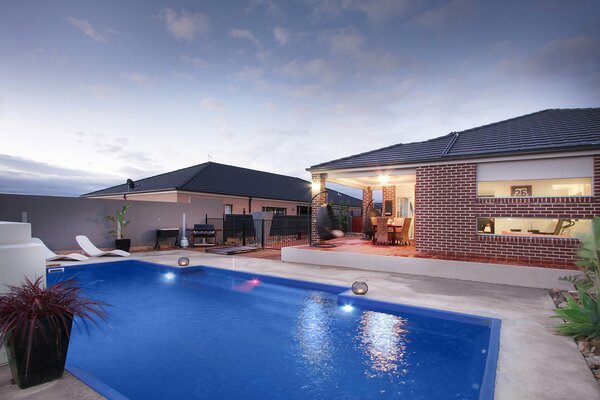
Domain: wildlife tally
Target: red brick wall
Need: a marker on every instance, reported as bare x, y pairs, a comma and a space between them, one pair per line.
388, 193
447, 208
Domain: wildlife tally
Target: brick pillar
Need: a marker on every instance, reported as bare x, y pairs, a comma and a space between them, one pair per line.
318, 185
366, 199
389, 193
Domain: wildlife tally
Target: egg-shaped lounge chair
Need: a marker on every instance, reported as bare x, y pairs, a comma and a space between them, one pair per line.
325, 222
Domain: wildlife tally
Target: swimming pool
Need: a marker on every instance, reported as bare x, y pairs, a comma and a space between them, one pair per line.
207, 333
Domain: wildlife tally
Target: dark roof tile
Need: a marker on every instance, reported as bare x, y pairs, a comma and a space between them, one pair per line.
543, 131
224, 179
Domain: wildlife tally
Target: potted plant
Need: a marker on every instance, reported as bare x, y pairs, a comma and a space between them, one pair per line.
119, 219
35, 326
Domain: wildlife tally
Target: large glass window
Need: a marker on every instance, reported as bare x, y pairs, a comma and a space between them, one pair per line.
544, 227
536, 188
556, 177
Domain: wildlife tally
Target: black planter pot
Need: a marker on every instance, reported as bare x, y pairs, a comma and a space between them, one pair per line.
48, 353
123, 244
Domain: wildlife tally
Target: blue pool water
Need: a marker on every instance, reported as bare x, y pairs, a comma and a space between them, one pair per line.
204, 333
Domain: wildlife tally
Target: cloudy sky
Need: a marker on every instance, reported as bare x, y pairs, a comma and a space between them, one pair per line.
93, 93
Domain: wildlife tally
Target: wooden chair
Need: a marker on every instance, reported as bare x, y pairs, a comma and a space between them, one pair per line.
404, 233
382, 234
396, 235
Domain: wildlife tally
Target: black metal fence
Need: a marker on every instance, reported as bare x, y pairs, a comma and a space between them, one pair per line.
281, 231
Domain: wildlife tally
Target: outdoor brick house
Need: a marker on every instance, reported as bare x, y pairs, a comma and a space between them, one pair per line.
521, 190
239, 189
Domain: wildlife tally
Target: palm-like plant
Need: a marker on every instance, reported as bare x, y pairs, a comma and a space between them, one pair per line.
119, 220
583, 319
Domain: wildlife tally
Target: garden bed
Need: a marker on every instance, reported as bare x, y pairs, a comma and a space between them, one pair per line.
590, 350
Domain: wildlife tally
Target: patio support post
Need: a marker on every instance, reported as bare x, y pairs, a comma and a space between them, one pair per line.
367, 198
389, 193
318, 190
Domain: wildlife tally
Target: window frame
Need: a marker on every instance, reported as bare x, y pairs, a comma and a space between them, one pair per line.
591, 177
521, 236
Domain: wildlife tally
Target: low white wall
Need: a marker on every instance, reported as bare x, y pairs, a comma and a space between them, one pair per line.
514, 275
18, 259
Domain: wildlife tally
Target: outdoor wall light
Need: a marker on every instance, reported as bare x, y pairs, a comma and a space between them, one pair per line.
384, 180
360, 286
183, 261
316, 186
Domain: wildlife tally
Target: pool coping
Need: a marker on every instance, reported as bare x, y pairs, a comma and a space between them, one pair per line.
342, 293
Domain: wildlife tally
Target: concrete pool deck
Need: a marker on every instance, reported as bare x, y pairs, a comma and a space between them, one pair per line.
534, 363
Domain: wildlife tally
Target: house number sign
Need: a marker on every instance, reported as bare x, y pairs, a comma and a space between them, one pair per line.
520, 191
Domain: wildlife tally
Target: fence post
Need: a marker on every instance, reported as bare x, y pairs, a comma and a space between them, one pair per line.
262, 236
206, 219
244, 227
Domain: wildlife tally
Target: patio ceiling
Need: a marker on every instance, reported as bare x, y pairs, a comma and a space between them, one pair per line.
373, 179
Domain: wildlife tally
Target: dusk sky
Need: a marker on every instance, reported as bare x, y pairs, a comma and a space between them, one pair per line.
93, 93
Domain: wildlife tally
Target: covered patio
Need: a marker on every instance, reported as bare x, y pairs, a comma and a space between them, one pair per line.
388, 194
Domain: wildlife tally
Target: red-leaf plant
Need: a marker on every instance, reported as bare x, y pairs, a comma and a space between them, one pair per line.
23, 306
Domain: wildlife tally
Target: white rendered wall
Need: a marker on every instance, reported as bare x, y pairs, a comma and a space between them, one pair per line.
18, 259
514, 275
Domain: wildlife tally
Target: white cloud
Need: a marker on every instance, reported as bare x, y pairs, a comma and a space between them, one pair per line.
139, 78
104, 91
376, 11
244, 34
577, 57
185, 25
195, 61
212, 103
182, 76
281, 35
446, 14
24, 176
87, 29
250, 74
317, 68
347, 41
270, 6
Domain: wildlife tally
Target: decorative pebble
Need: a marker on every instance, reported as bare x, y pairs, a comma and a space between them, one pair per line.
590, 363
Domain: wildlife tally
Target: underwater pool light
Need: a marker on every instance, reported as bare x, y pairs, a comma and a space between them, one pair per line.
169, 276
347, 308
255, 281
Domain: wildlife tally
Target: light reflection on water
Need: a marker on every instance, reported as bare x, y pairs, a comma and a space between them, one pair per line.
382, 337
313, 332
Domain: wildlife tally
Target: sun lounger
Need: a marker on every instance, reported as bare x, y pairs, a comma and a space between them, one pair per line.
52, 256
93, 251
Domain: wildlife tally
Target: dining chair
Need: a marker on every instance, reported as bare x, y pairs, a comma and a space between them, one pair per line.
382, 234
404, 233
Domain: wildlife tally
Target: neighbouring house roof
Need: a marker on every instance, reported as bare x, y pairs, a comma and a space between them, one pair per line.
224, 179
550, 130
